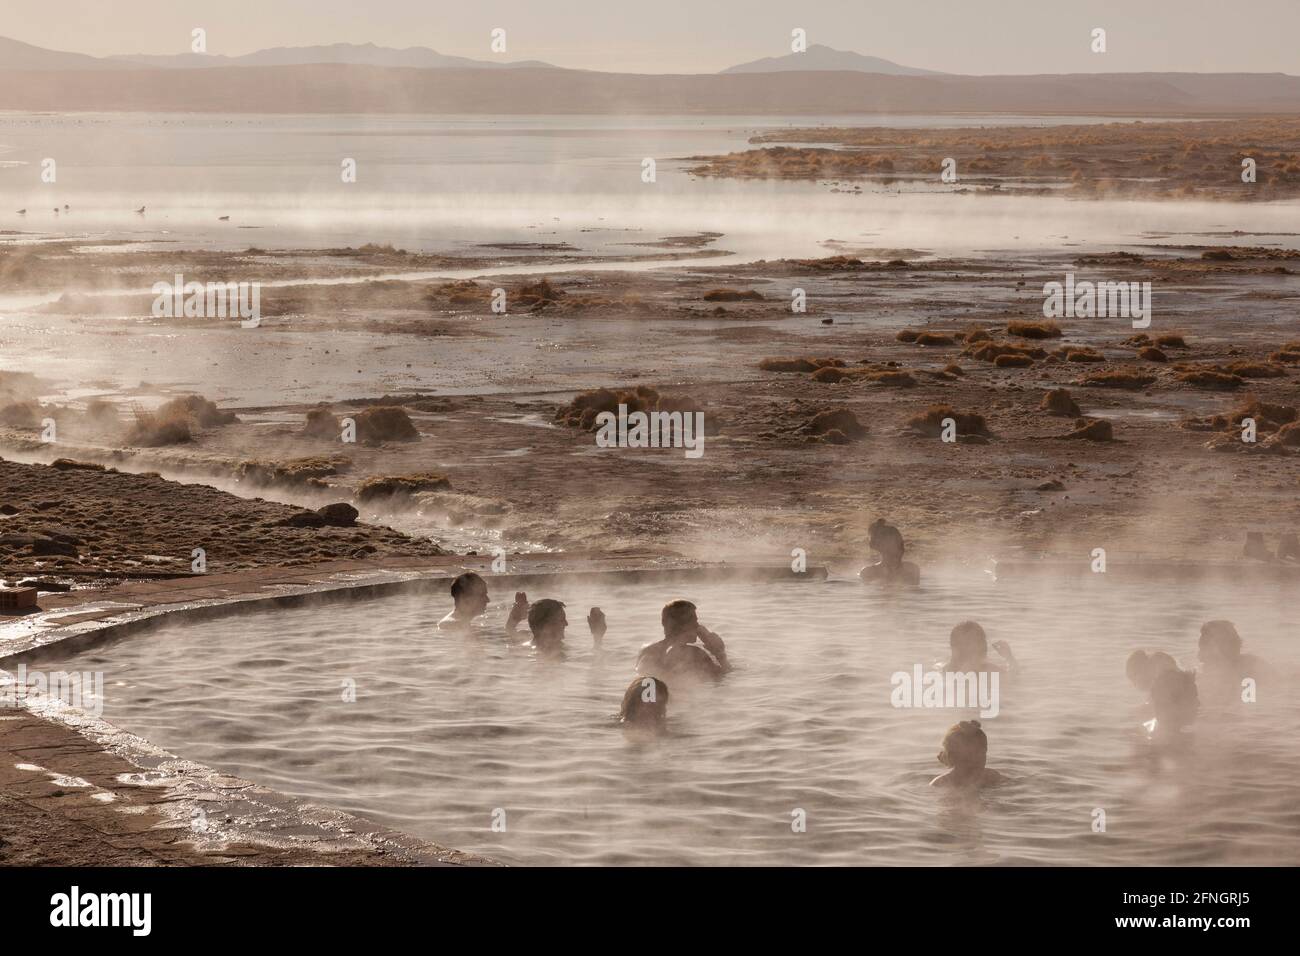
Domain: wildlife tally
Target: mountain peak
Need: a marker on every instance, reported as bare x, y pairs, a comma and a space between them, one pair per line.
819, 57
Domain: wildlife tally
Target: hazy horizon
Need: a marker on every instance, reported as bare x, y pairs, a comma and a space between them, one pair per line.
1008, 37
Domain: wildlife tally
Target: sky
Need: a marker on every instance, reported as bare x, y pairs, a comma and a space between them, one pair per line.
703, 36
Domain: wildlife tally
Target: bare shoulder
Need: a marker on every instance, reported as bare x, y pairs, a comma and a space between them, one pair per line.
994, 778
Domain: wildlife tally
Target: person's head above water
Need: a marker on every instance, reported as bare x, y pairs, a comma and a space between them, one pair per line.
645, 703
1143, 668
965, 747
680, 619
888, 540
1220, 643
470, 593
1174, 699
547, 622
968, 642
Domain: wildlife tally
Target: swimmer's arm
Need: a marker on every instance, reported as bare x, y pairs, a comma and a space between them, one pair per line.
714, 645
1004, 649
518, 612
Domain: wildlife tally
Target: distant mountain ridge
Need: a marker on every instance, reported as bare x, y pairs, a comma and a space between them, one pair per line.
820, 57
16, 55
355, 54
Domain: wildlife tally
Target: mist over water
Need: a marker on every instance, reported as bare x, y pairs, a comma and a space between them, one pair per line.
448, 184
446, 729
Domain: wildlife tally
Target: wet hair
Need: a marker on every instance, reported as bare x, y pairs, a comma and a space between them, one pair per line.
969, 632
463, 584
965, 744
1174, 698
1222, 636
637, 709
1143, 668
677, 614
885, 538
540, 613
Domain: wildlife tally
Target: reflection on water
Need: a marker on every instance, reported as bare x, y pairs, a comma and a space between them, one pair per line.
445, 730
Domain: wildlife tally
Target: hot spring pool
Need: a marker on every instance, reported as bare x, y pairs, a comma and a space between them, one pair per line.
445, 731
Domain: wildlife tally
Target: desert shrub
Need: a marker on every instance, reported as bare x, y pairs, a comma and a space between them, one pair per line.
837, 420
935, 338
1013, 360
1034, 330
1097, 429
1117, 379
1059, 402
158, 428
1254, 370
20, 415
380, 423
805, 364
291, 471
321, 423
1205, 378
388, 486
930, 421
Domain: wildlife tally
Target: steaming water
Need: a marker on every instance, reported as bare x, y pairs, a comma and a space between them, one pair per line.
447, 184
452, 185
446, 730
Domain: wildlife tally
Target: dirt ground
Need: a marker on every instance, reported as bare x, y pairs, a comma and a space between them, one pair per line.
1172, 482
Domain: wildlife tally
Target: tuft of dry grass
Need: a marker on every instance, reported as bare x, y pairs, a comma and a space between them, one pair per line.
1013, 360
930, 422
1096, 429
1117, 379
836, 421
388, 486
291, 471
990, 351
1205, 378
935, 338
1059, 402
1254, 370
804, 364
158, 428
1034, 330
321, 423
380, 423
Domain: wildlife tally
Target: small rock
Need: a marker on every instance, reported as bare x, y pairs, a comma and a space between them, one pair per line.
338, 515
300, 519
